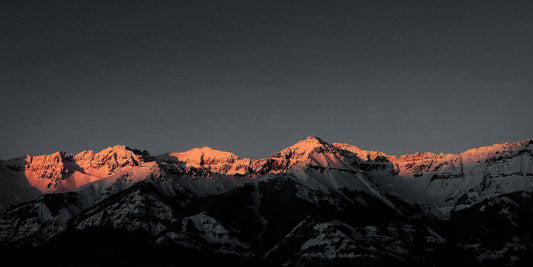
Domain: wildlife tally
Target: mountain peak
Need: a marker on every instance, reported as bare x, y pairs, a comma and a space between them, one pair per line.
314, 139
201, 156
309, 143
301, 148
116, 148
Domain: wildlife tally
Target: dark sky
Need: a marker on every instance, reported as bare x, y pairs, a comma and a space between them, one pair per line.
253, 77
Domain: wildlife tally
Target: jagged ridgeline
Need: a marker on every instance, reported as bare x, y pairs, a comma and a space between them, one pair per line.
313, 203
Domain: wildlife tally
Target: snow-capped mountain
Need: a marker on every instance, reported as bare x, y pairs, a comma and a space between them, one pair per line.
313, 203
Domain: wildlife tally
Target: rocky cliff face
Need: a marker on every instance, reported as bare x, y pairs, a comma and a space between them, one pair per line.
62, 172
312, 203
442, 182
312, 151
108, 161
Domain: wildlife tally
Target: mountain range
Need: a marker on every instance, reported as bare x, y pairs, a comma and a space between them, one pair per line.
313, 203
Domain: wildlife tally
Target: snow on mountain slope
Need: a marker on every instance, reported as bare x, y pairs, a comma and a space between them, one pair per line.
108, 161
130, 199
312, 151
55, 173
318, 167
338, 240
312, 242
441, 182
151, 203
310, 203
62, 172
23, 178
500, 159
206, 157
49, 214
313, 185
156, 197
361, 153
14, 187
447, 182
202, 231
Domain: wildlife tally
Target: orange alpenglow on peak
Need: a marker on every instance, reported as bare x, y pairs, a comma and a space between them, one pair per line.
313, 151
198, 157
61, 171
309, 143
314, 139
